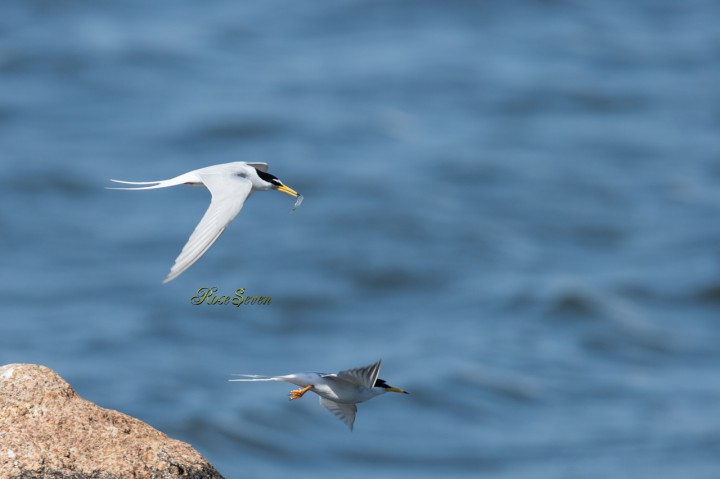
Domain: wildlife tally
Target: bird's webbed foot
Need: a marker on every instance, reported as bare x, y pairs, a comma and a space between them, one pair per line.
298, 393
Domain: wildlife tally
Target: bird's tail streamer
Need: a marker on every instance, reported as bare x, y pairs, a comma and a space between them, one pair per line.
253, 377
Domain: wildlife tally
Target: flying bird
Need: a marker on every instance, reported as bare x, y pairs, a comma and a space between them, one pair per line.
230, 185
339, 393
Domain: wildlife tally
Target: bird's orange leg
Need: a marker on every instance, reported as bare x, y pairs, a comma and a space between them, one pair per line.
298, 393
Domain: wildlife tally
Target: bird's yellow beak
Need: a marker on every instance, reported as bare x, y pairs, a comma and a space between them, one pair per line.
397, 390
287, 190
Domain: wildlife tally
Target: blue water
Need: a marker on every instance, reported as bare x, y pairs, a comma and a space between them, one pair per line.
516, 205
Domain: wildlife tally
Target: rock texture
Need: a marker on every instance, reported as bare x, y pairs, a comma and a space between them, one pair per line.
47, 431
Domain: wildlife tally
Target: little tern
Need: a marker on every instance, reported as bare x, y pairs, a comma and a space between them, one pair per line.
339, 393
230, 185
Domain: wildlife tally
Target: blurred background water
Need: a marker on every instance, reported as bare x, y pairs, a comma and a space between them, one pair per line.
514, 205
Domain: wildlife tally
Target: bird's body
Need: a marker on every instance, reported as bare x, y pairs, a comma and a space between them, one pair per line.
230, 185
339, 392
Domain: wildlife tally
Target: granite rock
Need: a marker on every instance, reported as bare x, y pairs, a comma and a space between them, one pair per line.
47, 431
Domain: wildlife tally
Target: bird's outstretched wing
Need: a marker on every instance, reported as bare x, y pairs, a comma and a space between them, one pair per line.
228, 197
345, 412
365, 377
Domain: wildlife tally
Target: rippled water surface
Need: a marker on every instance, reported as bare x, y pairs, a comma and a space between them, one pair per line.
515, 206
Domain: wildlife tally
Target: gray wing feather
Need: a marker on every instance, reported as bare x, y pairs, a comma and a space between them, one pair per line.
260, 166
365, 377
345, 412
